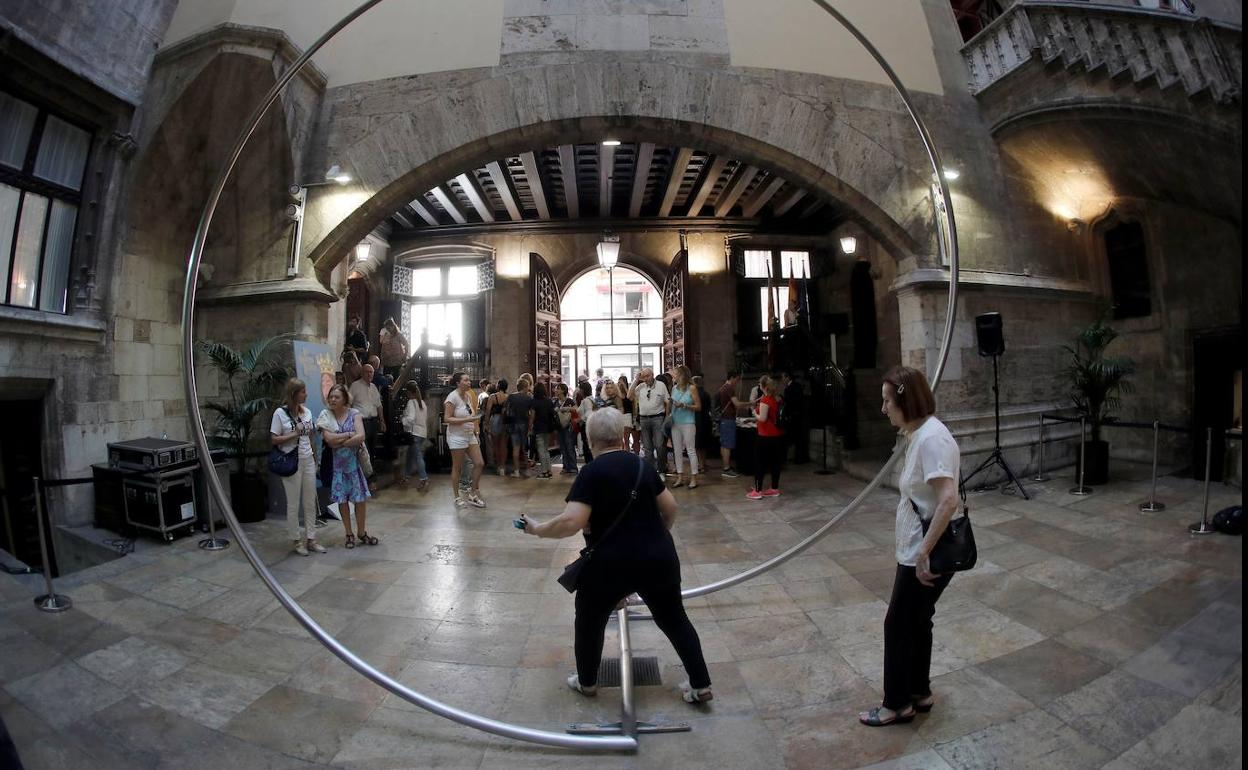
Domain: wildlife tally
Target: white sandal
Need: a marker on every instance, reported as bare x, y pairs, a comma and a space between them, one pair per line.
574, 683
691, 695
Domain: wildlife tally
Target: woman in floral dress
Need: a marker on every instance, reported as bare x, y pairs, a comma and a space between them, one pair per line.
342, 429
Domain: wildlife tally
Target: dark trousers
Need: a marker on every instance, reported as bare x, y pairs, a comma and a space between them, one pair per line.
908, 638
603, 589
768, 458
372, 425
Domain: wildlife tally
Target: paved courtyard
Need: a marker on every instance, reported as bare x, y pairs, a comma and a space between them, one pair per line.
1089, 636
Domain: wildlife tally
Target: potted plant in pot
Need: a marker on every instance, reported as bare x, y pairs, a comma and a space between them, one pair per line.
1096, 383
253, 378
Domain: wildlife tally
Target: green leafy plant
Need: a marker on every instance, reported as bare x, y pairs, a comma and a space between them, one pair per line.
253, 377
1097, 381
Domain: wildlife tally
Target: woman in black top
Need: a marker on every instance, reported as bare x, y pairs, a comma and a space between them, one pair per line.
638, 556
544, 421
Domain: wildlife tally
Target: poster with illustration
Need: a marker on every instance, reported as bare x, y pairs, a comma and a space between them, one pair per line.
315, 364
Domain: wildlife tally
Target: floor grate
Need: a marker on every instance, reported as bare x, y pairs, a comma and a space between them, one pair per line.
645, 672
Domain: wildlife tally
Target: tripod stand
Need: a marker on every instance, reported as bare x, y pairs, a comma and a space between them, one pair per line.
996, 458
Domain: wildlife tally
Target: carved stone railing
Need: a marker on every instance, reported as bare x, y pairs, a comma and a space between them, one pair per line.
1201, 56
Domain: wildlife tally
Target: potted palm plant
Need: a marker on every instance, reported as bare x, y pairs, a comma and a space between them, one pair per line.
253, 378
1097, 382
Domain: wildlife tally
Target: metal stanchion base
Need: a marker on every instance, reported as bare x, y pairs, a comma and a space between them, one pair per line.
1201, 528
1040, 477
617, 728
53, 602
214, 544
1081, 491
1152, 507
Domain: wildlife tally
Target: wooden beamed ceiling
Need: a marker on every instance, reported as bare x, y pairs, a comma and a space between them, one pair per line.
640, 180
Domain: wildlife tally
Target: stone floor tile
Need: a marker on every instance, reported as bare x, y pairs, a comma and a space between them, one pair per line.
479, 689
205, 693
265, 655
924, 760
1226, 694
64, 694
1049, 612
408, 602
858, 622
968, 700
1219, 626
325, 674
301, 724
133, 661
413, 740
193, 636
828, 592
1044, 671
751, 601
793, 681
1195, 738
1014, 555
495, 644
982, 633
727, 742
830, 736
772, 635
1184, 664
1034, 740
22, 654
133, 614
1110, 638
240, 607
384, 572
1116, 710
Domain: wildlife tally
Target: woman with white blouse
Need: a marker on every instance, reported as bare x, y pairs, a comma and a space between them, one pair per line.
292, 429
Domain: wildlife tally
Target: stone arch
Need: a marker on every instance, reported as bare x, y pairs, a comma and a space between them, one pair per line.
571, 273
899, 239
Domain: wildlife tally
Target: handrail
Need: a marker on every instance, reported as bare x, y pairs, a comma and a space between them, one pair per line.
476, 721
951, 234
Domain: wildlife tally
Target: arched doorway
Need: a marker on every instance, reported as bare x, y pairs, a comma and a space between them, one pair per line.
611, 320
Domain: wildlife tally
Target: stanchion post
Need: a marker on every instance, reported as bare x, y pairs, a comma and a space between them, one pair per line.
51, 601
1082, 489
1202, 527
1152, 505
1040, 467
824, 470
212, 542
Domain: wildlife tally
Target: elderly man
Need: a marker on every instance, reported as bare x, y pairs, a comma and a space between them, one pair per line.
651, 397
367, 399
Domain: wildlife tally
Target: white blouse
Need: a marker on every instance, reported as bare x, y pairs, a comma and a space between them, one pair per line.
931, 453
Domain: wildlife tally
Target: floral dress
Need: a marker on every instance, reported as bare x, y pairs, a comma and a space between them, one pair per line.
348, 484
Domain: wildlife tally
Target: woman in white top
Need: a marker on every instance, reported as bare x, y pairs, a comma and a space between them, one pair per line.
416, 423
929, 497
462, 417
292, 429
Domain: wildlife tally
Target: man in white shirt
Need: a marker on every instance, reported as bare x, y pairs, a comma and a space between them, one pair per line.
651, 398
367, 400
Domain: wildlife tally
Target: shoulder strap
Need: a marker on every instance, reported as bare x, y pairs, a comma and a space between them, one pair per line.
632, 496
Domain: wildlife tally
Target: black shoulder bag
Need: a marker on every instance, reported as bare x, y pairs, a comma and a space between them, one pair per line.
955, 550
571, 577
284, 463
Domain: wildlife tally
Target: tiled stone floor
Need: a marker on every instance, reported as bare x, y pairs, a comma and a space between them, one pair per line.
1089, 636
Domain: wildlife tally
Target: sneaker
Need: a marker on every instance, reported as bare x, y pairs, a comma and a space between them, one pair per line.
300, 548
315, 547
729, 473
754, 494
574, 683
771, 493
545, 475
423, 486
515, 474
475, 500
691, 695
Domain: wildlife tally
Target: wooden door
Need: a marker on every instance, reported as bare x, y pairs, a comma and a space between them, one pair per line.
545, 316
675, 321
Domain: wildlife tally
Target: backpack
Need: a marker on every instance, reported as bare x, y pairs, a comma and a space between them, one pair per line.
1229, 521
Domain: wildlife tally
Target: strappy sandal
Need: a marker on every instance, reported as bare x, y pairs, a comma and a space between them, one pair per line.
921, 707
679, 483
349, 542
367, 539
872, 718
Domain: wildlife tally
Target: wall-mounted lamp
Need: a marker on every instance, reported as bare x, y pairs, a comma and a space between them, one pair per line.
952, 174
1075, 225
609, 251
610, 142
362, 251
336, 175
849, 245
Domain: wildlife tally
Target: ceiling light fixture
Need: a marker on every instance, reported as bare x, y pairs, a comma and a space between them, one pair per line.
610, 142
952, 174
608, 251
337, 175
849, 244
362, 251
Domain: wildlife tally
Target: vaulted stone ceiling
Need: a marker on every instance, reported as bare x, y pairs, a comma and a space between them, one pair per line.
599, 183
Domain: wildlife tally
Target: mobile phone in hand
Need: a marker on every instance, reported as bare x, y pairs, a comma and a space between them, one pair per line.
519, 523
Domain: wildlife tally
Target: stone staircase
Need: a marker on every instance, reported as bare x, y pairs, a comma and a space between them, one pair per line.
1146, 47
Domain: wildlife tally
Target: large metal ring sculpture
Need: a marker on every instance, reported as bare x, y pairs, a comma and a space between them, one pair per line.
476, 721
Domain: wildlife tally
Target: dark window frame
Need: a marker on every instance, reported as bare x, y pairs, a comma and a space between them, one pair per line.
25, 181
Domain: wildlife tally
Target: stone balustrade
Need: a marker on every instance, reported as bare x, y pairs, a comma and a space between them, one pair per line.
1205, 58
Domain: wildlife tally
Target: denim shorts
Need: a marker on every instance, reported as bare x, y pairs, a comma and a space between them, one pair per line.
519, 436
727, 433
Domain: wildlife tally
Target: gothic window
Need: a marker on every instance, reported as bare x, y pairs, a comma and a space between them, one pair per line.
1128, 270
43, 160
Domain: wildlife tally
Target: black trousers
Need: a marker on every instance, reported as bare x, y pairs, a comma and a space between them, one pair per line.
603, 588
768, 458
908, 638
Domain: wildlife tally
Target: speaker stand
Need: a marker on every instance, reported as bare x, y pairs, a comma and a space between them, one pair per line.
996, 457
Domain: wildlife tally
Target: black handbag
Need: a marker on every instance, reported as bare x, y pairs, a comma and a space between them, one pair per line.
284, 463
571, 577
955, 550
